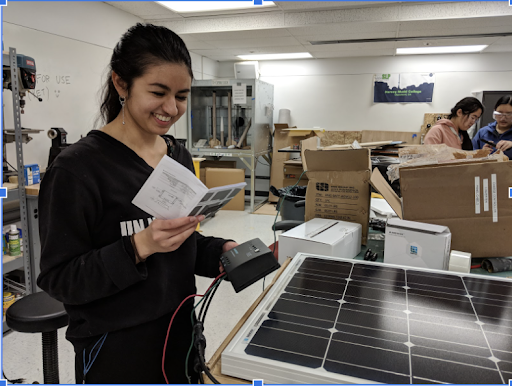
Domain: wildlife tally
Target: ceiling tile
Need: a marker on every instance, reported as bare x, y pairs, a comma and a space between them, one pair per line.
447, 42
144, 9
354, 53
371, 35
266, 42
241, 34
350, 47
344, 28
499, 48
315, 5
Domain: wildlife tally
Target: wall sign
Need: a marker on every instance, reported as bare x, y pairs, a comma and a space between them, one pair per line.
403, 88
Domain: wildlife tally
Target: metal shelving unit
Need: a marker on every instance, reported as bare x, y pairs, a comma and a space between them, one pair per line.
257, 108
24, 261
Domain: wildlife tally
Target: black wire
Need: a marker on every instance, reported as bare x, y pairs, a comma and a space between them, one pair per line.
205, 299
201, 379
208, 296
205, 368
210, 300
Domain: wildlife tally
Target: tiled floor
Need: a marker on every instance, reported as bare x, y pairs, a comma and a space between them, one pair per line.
22, 356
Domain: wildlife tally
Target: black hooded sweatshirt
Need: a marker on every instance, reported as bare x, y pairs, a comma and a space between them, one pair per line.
87, 262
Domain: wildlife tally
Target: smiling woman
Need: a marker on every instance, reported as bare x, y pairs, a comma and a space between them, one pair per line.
120, 273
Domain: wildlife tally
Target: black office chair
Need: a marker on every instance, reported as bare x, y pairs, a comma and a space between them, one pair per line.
39, 312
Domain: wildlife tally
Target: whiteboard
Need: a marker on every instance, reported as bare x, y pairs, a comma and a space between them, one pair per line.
70, 74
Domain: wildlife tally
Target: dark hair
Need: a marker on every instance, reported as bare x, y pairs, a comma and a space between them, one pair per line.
504, 100
142, 46
468, 105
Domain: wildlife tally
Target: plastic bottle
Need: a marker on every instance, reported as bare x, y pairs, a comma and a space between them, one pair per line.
14, 241
21, 240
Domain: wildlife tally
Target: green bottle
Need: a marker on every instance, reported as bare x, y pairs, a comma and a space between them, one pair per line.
14, 241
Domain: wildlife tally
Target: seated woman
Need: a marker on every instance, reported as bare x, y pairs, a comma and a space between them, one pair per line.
500, 131
453, 131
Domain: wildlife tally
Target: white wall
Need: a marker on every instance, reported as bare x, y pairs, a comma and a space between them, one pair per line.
73, 39
337, 94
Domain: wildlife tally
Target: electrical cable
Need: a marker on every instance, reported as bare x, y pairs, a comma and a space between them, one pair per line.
204, 300
205, 368
215, 284
172, 319
209, 300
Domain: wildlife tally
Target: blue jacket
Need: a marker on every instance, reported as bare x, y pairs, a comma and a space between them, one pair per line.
489, 133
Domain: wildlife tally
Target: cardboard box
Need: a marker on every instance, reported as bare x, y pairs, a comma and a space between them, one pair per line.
338, 185
283, 138
411, 138
322, 237
293, 181
218, 164
31, 173
202, 175
417, 244
221, 176
471, 199
292, 169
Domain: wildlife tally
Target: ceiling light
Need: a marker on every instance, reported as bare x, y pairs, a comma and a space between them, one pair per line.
439, 50
297, 55
202, 6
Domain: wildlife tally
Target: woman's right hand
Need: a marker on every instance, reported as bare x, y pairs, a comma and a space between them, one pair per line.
165, 235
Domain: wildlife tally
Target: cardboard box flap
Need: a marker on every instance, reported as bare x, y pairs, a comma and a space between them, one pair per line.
382, 186
417, 226
339, 160
294, 132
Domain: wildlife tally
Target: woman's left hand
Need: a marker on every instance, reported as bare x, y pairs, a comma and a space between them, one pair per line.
226, 247
504, 145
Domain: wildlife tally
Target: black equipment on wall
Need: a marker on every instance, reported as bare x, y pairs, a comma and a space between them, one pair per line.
59, 142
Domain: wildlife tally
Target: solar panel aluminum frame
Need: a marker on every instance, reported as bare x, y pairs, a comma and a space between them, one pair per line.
235, 362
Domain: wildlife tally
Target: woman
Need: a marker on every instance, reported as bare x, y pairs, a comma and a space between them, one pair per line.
500, 131
453, 131
120, 273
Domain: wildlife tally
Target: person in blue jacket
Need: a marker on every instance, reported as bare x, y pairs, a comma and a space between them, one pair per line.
498, 132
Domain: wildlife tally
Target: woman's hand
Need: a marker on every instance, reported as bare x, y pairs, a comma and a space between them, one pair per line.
504, 145
226, 247
165, 235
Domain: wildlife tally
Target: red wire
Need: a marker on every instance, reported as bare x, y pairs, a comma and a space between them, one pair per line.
172, 319
476, 266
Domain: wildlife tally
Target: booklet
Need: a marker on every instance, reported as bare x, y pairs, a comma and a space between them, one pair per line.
172, 191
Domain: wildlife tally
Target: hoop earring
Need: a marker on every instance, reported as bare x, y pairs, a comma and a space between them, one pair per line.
122, 100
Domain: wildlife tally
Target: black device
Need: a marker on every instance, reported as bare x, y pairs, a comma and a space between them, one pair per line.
489, 143
59, 142
247, 263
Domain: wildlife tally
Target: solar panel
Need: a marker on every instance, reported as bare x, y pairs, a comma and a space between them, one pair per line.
330, 320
